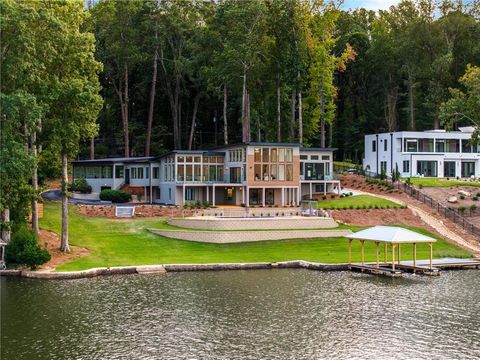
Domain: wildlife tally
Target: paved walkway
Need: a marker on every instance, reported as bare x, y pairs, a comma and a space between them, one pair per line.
431, 220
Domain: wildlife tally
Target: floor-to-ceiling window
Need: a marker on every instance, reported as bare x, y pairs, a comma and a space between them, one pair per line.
449, 169
468, 168
427, 168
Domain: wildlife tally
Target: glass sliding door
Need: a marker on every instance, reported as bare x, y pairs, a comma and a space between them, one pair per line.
427, 168
468, 168
449, 169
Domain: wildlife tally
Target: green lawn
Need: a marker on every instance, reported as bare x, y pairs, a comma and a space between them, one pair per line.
357, 201
441, 182
127, 242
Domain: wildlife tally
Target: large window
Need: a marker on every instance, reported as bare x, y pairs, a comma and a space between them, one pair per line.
467, 147
314, 171
136, 173
425, 145
374, 146
156, 172
385, 145
427, 168
411, 145
273, 164
93, 172
237, 155
119, 172
406, 166
468, 168
235, 175
449, 169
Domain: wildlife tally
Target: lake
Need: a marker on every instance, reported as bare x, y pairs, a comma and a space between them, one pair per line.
270, 314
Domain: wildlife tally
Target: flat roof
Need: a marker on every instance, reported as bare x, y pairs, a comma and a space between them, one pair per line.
391, 234
117, 159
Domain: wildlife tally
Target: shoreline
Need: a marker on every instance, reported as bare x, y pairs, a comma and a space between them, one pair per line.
166, 268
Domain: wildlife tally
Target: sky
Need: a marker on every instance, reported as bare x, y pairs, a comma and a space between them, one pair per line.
369, 4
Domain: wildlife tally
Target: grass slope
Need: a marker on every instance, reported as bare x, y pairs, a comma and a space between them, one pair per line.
127, 242
357, 201
440, 182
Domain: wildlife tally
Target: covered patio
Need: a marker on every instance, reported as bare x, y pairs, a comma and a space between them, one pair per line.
394, 237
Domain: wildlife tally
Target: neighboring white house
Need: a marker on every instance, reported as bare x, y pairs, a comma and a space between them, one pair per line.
249, 173
434, 153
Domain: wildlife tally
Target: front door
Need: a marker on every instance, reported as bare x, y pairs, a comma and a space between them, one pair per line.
127, 176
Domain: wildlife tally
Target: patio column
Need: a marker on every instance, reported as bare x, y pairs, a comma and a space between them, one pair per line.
385, 252
208, 194
378, 254
393, 257
247, 196
283, 196
310, 191
263, 197
299, 195
213, 195
183, 194
324, 188
399, 247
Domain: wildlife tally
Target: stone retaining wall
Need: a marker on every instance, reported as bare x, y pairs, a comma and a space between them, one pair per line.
140, 211
229, 237
162, 269
294, 222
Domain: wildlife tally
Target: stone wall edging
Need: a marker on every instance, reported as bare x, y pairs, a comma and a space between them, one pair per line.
165, 268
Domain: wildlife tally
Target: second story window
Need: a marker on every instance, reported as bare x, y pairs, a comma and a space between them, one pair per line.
385, 145
273, 164
156, 172
374, 146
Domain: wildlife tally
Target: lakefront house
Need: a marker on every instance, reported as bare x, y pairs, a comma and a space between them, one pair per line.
243, 174
434, 153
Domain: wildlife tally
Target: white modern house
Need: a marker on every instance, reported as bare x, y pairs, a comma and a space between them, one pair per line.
260, 174
434, 153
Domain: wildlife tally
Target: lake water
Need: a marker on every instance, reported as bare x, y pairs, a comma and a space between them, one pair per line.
269, 314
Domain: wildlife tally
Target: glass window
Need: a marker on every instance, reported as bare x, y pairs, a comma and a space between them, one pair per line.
197, 159
273, 172
374, 146
258, 172
119, 172
180, 159
440, 146
325, 157
265, 172
78, 172
220, 159
313, 157
106, 172
281, 172
180, 172
468, 168
289, 172
281, 155
140, 172
467, 146
189, 159
265, 155
219, 173
205, 173
212, 173
257, 156
289, 155
427, 168
188, 172
411, 145
303, 157
273, 155
156, 172
385, 145
452, 145
425, 145
406, 166
197, 172
147, 172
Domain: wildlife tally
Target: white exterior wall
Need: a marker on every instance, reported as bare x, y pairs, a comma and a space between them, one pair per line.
371, 158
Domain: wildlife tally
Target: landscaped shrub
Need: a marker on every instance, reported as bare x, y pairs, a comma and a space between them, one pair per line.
475, 198
473, 208
324, 197
115, 196
80, 185
462, 197
23, 249
462, 209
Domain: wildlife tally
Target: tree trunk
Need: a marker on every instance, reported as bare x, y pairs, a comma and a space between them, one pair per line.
247, 117
391, 114
194, 118
292, 116
153, 92
35, 227
322, 118
300, 118
64, 241
279, 115
410, 102
330, 134
225, 123
5, 225
244, 107
92, 148
125, 119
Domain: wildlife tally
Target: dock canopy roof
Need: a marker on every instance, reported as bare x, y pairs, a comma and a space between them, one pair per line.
391, 234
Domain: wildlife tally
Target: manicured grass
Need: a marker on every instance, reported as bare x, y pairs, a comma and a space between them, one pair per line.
441, 182
345, 164
357, 201
127, 242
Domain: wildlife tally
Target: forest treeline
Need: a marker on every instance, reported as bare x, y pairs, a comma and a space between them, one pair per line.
142, 77
193, 74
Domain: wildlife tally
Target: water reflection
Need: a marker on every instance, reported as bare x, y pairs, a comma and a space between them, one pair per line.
274, 314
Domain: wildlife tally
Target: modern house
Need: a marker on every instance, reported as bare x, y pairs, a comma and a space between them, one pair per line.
243, 174
434, 153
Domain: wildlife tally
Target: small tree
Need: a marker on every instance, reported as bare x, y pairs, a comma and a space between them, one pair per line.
24, 249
